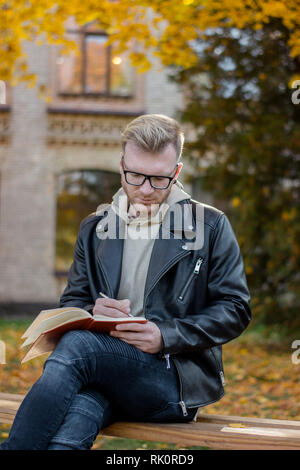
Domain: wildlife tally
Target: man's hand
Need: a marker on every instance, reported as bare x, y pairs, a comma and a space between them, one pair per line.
145, 336
112, 307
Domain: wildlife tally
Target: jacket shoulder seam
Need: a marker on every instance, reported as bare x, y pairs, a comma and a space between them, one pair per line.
90, 218
212, 209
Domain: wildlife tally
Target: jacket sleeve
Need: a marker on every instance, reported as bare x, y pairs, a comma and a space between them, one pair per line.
227, 312
77, 292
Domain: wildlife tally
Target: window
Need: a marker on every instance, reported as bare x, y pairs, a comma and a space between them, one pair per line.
97, 70
79, 193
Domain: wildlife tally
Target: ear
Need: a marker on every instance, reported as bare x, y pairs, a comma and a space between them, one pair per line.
180, 165
121, 156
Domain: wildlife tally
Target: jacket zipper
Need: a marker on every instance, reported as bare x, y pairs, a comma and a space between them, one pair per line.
222, 378
167, 358
191, 277
181, 403
221, 373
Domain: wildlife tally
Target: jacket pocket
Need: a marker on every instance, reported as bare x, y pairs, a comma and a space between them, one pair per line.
191, 277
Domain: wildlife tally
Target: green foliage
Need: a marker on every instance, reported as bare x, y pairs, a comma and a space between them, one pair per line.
247, 154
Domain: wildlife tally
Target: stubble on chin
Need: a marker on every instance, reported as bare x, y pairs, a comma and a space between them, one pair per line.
140, 209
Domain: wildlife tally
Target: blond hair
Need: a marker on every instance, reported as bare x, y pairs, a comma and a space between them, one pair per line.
153, 132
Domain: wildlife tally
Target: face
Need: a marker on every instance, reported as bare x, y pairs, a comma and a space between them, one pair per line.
148, 163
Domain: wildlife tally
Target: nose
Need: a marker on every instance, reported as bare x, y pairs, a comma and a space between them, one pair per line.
146, 188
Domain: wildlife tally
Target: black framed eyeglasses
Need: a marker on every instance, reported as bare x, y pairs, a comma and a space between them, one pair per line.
138, 179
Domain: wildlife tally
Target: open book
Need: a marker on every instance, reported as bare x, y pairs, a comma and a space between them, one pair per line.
45, 331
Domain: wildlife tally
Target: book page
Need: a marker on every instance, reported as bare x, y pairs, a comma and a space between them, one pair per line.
44, 314
68, 314
118, 319
106, 324
43, 345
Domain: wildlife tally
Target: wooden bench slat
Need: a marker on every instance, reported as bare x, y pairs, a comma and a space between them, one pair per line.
200, 434
213, 431
11, 397
203, 417
6, 411
7, 416
223, 419
9, 405
4, 420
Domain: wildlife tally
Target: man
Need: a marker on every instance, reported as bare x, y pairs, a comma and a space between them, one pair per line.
193, 294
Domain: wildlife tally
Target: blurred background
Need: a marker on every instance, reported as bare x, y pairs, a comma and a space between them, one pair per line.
72, 77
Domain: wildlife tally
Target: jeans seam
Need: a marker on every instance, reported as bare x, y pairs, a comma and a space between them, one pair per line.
57, 357
82, 410
91, 398
64, 440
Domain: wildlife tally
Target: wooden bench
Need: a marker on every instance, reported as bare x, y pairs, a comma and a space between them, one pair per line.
215, 432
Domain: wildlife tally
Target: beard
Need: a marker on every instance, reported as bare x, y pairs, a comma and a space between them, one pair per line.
136, 208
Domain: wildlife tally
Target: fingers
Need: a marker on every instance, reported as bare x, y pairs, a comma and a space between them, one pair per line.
133, 338
142, 342
146, 337
112, 307
145, 346
138, 327
132, 333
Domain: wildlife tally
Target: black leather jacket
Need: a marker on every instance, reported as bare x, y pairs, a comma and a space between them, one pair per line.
197, 297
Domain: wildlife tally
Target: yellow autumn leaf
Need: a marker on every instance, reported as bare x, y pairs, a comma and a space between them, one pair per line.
243, 352
273, 376
235, 202
285, 216
292, 83
236, 425
243, 400
249, 270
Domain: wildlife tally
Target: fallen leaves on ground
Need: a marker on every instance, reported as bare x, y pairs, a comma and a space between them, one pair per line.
262, 381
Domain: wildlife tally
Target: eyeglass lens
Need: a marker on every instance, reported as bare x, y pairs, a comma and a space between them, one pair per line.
158, 182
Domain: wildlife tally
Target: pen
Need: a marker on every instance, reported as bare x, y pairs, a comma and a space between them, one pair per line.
106, 297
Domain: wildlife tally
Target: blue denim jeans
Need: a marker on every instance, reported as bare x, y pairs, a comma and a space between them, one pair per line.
89, 381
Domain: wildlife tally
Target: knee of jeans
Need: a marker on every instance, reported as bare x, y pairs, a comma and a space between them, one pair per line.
90, 404
72, 345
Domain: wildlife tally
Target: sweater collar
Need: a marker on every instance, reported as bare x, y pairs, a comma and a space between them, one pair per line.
130, 216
